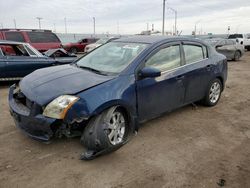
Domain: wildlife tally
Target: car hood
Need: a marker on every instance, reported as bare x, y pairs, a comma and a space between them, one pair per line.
44, 85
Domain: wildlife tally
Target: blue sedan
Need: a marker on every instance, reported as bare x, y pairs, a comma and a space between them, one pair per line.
104, 96
18, 59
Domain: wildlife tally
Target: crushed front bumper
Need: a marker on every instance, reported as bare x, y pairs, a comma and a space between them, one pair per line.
29, 119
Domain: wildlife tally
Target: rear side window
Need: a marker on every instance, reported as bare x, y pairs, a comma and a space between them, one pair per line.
193, 53
14, 36
42, 37
165, 59
234, 36
14, 50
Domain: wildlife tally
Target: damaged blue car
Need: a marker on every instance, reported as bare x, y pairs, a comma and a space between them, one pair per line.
105, 95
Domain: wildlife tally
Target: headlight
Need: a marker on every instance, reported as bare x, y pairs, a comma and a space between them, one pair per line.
58, 107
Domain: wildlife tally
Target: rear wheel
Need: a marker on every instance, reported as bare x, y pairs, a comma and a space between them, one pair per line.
106, 132
237, 56
213, 93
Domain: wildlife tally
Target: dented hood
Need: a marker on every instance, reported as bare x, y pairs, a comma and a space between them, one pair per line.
44, 85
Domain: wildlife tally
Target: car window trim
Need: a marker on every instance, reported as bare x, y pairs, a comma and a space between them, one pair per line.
195, 44
183, 66
157, 49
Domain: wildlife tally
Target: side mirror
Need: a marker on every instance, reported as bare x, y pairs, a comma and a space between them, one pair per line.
149, 72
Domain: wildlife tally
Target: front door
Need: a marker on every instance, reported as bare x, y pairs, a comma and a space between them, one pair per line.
165, 93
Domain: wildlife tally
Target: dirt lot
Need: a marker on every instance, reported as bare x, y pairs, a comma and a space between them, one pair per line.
191, 147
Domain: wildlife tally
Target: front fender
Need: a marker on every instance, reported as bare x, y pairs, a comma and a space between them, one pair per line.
118, 92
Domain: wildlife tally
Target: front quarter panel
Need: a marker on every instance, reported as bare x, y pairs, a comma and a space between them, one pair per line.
119, 91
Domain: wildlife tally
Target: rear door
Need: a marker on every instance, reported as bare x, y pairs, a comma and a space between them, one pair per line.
198, 70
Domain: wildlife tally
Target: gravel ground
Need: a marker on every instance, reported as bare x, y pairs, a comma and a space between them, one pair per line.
191, 147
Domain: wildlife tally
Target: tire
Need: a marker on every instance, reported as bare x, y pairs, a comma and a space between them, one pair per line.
107, 131
213, 93
73, 50
237, 56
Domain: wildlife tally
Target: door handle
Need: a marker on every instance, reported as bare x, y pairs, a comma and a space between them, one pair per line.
209, 66
179, 77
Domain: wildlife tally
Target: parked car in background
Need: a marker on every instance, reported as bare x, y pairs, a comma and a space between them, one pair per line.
98, 43
42, 40
19, 59
79, 46
107, 93
243, 39
230, 48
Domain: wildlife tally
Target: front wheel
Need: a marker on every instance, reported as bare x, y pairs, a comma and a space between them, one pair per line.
106, 132
213, 93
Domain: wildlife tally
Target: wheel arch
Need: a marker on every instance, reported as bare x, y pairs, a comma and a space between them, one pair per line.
221, 80
128, 110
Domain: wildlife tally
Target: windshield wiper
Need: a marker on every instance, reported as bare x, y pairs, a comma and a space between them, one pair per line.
92, 70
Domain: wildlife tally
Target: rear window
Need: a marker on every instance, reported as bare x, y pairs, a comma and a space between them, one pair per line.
14, 36
235, 36
42, 37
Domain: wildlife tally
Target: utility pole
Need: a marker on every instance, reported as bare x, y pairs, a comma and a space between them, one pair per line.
163, 18
65, 24
147, 26
175, 16
39, 21
195, 27
228, 30
94, 25
14, 20
54, 27
118, 28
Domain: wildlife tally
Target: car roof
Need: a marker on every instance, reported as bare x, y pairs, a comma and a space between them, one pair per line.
11, 42
155, 39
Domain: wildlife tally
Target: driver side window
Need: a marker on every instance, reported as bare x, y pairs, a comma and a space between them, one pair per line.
166, 59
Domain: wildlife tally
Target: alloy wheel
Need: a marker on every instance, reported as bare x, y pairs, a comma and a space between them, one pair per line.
214, 93
116, 127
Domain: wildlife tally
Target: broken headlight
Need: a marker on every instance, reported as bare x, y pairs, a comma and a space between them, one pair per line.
58, 107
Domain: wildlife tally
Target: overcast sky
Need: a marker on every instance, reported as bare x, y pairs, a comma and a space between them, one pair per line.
130, 16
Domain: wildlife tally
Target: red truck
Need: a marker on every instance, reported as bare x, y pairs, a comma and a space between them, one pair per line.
79, 46
42, 40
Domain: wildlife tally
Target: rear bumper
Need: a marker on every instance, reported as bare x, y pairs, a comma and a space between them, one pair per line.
34, 125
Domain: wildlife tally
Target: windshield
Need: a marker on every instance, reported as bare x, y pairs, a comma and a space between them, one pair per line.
111, 58
33, 51
235, 36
